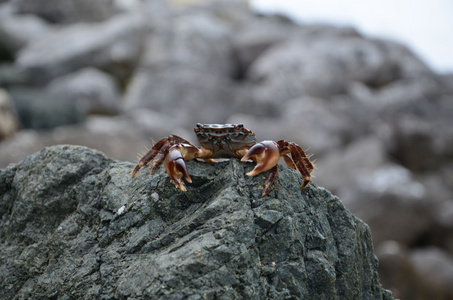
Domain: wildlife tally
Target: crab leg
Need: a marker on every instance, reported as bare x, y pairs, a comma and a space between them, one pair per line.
159, 158
289, 162
160, 148
302, 163
273, 174
150, 155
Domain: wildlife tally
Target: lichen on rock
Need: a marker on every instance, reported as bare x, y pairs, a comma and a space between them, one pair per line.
75, 225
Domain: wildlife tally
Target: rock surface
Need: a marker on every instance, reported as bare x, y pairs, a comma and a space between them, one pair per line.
74, 224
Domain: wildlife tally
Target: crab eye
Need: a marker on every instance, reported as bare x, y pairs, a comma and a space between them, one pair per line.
240, 125
199, 125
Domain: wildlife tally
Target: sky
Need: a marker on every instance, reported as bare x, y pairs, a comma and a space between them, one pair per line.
425, 26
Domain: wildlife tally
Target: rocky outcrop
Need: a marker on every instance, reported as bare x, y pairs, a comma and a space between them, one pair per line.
74, 224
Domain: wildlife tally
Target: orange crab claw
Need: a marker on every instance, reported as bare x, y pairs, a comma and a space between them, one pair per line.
266, 155
176, 168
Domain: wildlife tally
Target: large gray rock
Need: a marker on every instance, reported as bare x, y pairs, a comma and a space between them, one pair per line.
122, 137
39, 110
17, 31
113, 45
67, 11
186, 70
91, 90
75, 225
9, 124
187, 95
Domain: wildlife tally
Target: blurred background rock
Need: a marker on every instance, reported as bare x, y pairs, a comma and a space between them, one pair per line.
112, 75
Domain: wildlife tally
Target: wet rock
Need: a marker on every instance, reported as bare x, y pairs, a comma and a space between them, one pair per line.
92, 91
74, 223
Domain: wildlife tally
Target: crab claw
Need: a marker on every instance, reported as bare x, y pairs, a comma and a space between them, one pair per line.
266, 155
176, 168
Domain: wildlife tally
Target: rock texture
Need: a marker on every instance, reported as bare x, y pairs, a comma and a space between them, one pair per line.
75, 225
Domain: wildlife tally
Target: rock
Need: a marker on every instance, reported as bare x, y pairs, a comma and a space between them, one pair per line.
437, 264
66, 11
112, 45
188, 96
74, 224
17, 31
186, 71
420, 115
305, 65
93, 91
9, 124
11, 75
39, 110
308, 121
395, 203
290, 70
407, 281
256, 36
197, 41
123, 137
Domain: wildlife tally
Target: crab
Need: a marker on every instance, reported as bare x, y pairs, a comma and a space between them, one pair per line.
225, 141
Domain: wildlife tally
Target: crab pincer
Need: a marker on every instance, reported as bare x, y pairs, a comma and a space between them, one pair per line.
176, 168
266, 155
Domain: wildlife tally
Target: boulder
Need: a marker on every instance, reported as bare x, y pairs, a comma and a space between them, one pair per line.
395, 204
9, 124
113, 45
290, 70
198, 41
436, 263
39, 110
187, 95
308, 121
409, 278
186, 70
91, 90
67, 11
74, 224
121, 137
17, 31
11, 75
